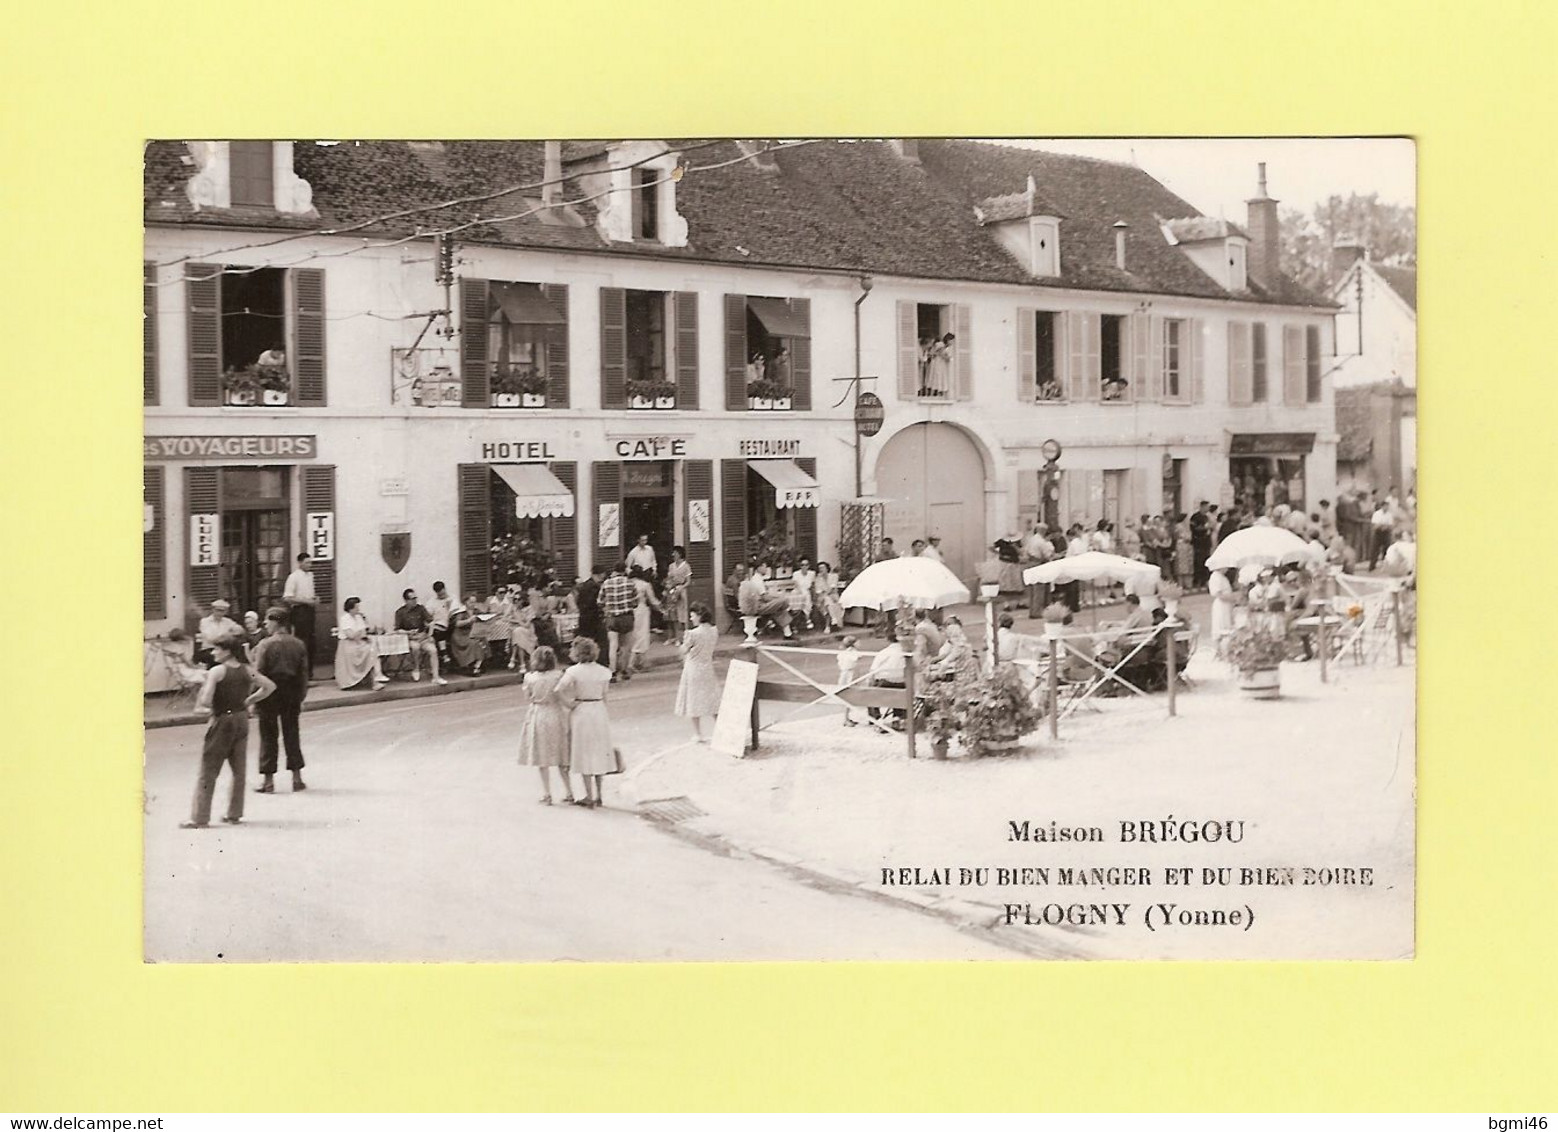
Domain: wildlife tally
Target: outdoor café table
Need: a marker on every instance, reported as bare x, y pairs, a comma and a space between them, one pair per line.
489, 627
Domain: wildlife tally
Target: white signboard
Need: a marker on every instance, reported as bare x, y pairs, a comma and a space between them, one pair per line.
204, 549
734, 722
698, 529
319, 535
796, 497
609, 525
396, 486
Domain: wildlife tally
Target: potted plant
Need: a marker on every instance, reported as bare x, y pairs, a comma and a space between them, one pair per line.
505, 387
275, 384
1170, 593
761, 394
944, 702
645, 394
1256, 655
999, 712
532, 390
1055, 614
523, 562
241, 386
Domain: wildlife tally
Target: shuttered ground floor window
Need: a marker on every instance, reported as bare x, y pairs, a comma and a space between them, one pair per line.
517, 527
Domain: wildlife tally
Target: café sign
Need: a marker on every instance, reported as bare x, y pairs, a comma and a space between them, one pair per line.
649, 448
229, 448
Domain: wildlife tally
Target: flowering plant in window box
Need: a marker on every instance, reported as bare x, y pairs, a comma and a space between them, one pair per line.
532, 390
241, 386
506, 386
644, 394
767, 395
275, 383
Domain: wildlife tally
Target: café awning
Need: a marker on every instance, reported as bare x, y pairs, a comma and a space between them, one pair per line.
792, 486
538, 494
777, 318
524, 305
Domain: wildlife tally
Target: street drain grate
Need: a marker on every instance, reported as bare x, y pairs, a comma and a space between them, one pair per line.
671, 809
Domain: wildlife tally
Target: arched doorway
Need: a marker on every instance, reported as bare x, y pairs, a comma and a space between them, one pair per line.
934, 480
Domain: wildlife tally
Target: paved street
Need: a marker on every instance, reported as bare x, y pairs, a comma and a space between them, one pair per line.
419, 838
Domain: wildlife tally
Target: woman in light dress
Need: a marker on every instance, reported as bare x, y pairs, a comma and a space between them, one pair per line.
583, 688
956, 659
698, 694
543, 738
1220, 586
805, 579
521, 621
464, 651
678, 576
646, 601
827, 588
355, 657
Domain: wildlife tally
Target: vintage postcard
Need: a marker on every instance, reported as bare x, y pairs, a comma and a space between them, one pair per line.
779, 549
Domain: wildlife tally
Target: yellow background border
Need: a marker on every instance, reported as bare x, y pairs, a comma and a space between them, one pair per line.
1467, 1025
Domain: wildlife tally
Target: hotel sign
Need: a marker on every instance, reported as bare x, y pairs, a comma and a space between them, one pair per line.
230, 448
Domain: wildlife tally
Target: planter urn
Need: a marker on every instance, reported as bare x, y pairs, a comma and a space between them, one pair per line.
1261, 683
1054, 630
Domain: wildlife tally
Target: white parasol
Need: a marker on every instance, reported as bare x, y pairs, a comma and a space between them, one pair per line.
921, 582
1262, 546
1093, 566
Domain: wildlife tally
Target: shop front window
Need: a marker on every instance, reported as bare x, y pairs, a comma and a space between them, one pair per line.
1264, 482
773, 536
522, 552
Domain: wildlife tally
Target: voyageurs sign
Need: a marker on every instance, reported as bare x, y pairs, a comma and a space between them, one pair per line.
230, 448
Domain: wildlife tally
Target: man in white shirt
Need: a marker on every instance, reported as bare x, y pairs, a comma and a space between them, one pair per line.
642, 557
887, 671
300, 600
933, 550
215, 626
1400, 559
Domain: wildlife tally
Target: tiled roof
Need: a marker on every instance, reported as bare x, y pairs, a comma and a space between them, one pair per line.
1402, 280
1189, 229
853, 206
1354, 423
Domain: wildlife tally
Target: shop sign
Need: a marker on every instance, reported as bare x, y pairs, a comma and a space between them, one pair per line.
649, 448
698, 529
795, 497
203, 539
869, 414
518, 451
780, 448
319, 535
229, 448
1271, 444
644, 475
395, 486
609, 524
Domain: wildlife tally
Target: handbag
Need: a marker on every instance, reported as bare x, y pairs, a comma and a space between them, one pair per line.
616, 761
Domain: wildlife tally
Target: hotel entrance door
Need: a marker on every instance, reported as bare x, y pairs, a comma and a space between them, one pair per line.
649, 507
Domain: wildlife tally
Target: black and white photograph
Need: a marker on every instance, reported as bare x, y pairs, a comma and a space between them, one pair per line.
785, 549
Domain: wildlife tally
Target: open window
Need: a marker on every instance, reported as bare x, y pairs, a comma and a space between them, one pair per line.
525, 336
776, 333
1113, 385
256, 335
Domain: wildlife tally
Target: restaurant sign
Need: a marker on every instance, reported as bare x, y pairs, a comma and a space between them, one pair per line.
229, 448
1271, 443
770, 448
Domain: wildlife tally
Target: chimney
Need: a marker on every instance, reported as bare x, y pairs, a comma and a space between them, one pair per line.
1344, 255
1265, 240
1120, 228
552, 173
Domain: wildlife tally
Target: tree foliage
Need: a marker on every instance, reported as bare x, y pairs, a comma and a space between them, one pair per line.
1388, 231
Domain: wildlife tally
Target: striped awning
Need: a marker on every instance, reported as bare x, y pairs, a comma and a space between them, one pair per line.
538, 494
792, 486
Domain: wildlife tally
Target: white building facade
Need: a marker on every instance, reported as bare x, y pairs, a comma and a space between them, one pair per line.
593, 378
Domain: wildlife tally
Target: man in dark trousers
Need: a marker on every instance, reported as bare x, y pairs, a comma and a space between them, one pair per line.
591, 623
282, 658
1201, 531
299, 598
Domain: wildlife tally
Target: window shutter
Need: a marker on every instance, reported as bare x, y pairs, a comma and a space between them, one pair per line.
964, 359
1139, 327
733, 513
613, 348
203, 284
1094, 508
1157, 355
1260, 363
699, 484
735, 354
806, 517
202, 496
800, 357
475, 505
308, 335
475, 370
686, 311
1197, 390
1138, 500
1092, 362
154, 566
1076, 349
565, 528
1292, 365
1312, 364
319, 495
908, 352
149, 334
1027, 364
1240, 380
557, 388
607, 489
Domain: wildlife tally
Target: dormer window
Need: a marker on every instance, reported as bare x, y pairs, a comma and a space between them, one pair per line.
1238, 275
252, 173
1044, 233
646, 204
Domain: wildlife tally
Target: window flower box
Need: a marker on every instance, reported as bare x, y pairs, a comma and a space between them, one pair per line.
768, 395
781, 404
763, 403
241, 396
532, 400
275, 397
506, 400
641, 402
643, 394
665, 401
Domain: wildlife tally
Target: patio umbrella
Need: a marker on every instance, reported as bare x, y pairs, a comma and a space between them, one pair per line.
921, 582
1092, 567
1262, 546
